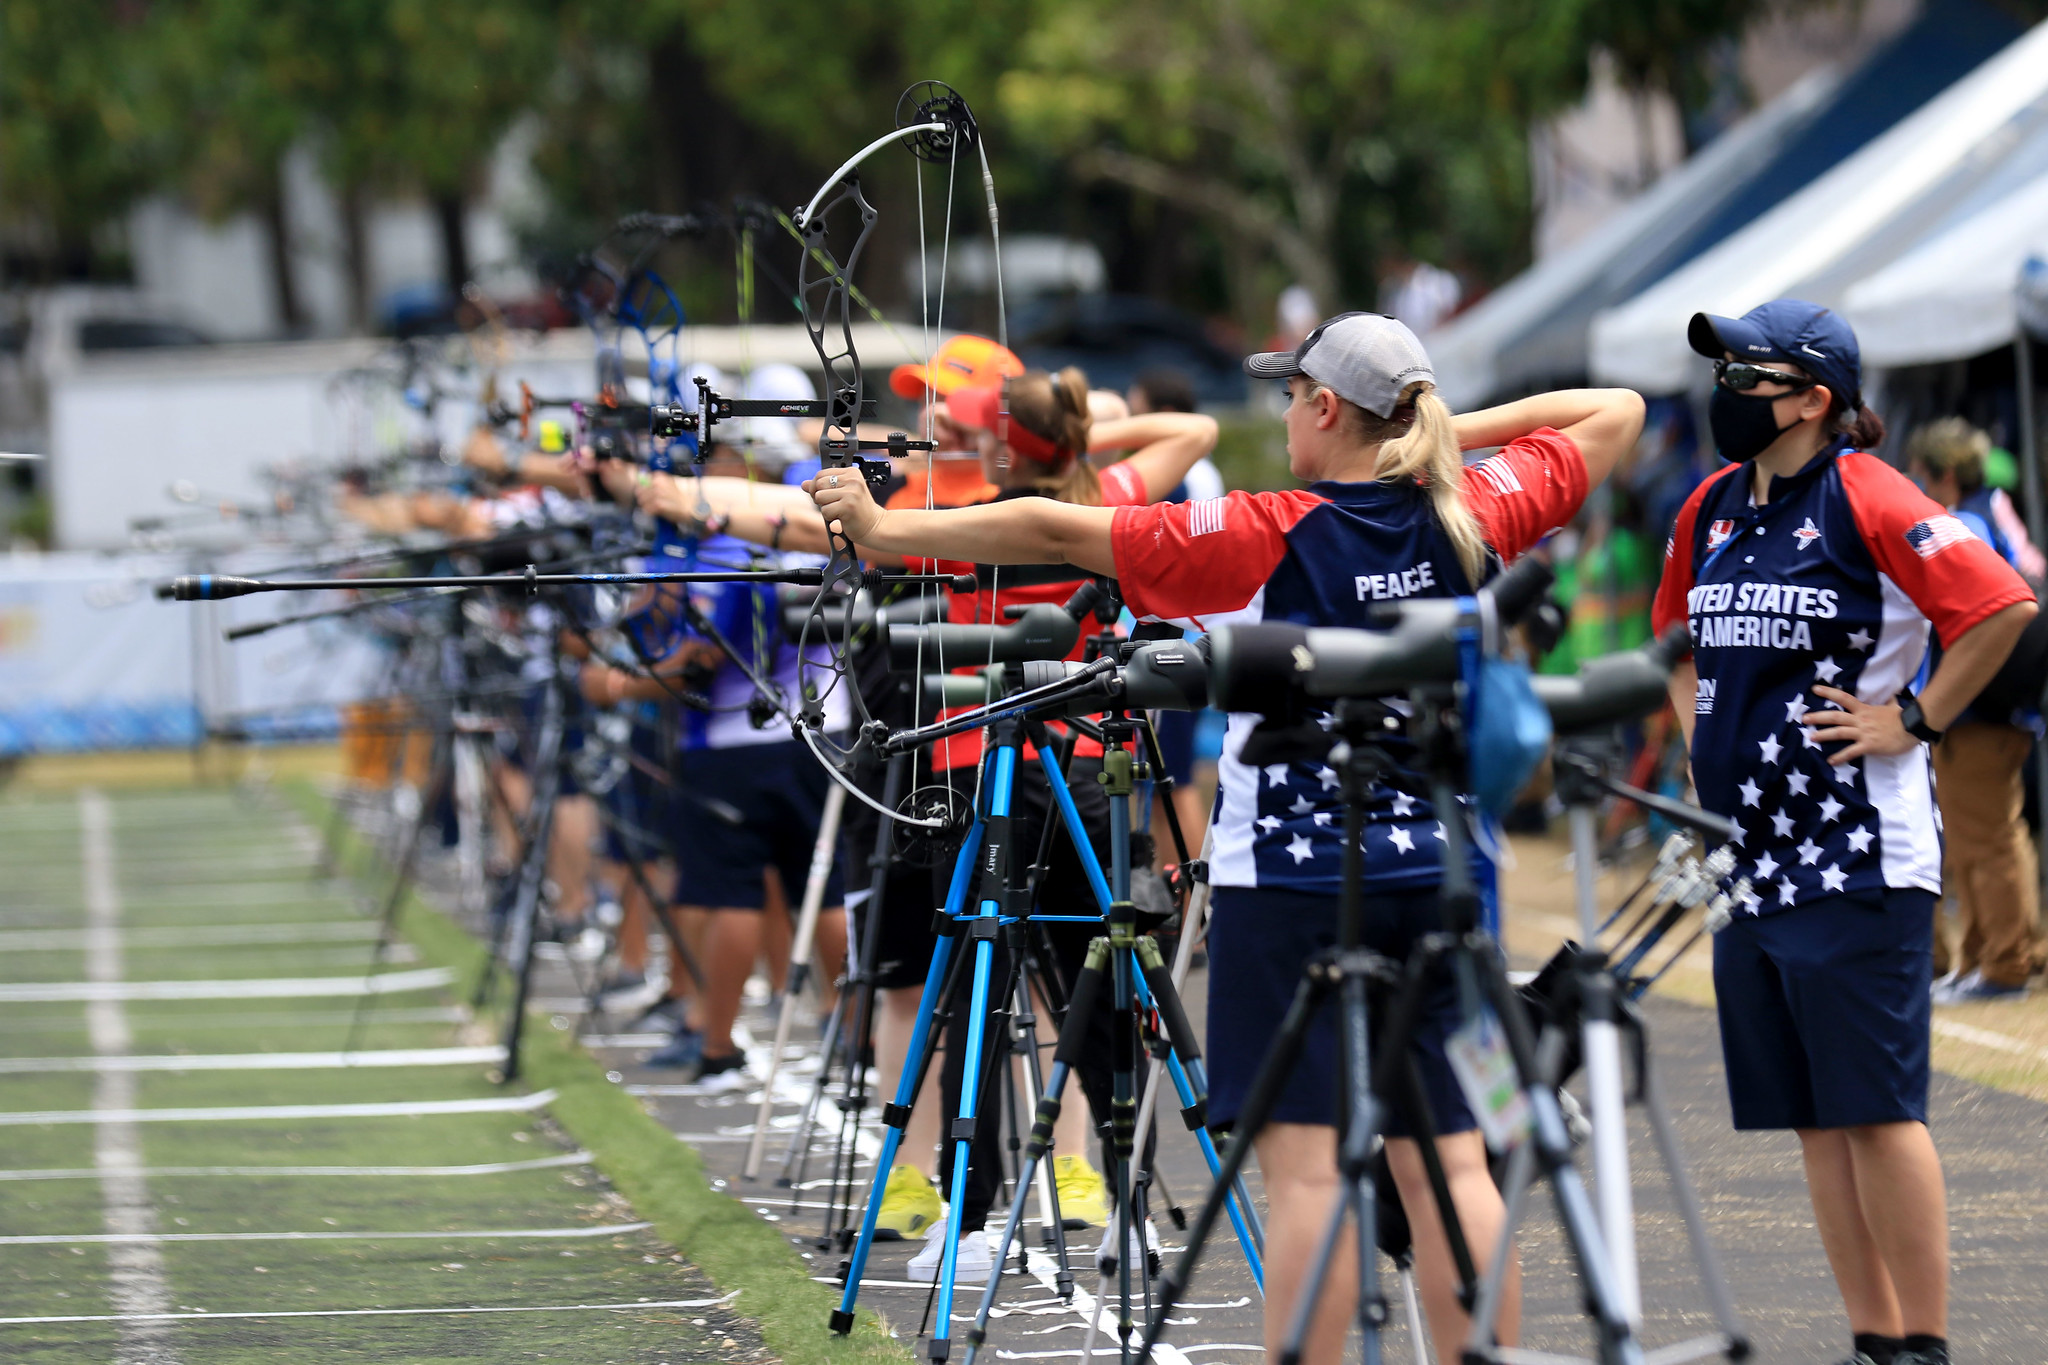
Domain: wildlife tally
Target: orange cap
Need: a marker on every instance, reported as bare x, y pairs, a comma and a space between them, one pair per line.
964, 359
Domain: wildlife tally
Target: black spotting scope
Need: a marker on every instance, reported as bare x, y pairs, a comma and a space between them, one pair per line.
1268, 668
1614, 688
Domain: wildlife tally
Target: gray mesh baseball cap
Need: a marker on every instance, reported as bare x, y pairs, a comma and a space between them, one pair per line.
1367, 358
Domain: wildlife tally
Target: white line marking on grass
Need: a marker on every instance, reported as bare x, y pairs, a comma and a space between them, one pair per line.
502, 1235
262, 988
264, 1061
625, 1039
487, 1168
509, 1104
396, 1312
197, 936
193, 895
1984, 1037
135, 1268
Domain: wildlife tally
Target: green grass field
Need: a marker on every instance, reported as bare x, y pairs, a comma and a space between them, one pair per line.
198, 865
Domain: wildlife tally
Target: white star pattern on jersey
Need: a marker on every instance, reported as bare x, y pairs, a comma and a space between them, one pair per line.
1809, 853
1832, 877
1269, 823
1827, 670
1859, 839
1328, 777
1302, 806
1276, 774
1404, 804
1399, 837
1830, 809
1795, 708
1811, 740
1781, 825
1323, 818
1796, 783
1737, 837
1299, 846
1766, 867
1770, 746
1751, 792
1861, 640
1846, 773
1439, 830
1787, 892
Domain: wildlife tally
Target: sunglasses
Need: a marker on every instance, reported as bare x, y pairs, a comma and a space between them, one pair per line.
1738, 376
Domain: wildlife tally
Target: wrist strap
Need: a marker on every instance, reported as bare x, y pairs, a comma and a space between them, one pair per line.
1915, 720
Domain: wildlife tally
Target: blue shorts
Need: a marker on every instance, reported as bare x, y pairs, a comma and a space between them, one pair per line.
1826, 1011
1258, 941
778, 791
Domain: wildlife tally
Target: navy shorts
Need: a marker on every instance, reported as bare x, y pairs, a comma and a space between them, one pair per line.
1826, 1010
1258, 941
778, 791
1176, 733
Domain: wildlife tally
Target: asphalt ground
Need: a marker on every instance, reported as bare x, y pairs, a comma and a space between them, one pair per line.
390, 1255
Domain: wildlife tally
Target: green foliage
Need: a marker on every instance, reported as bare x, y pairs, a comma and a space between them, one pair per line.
1294, 140
75, 126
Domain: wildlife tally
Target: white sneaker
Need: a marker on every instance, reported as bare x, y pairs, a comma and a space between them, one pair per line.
971, 1266
1951, 986
1105, 1255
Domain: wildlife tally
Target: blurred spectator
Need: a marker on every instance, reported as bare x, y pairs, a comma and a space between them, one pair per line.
1977, 772
1163, 389
1296, 314
2002, 475
1418, 293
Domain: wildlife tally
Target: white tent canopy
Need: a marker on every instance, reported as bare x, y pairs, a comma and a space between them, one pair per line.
1469, 352
1851, 221
1953, 296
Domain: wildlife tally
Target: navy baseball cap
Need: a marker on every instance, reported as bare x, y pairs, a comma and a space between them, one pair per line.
1814, 338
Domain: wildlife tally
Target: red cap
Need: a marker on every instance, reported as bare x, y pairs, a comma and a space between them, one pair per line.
984, 410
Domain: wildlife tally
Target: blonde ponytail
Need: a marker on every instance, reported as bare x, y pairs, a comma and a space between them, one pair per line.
1417, 443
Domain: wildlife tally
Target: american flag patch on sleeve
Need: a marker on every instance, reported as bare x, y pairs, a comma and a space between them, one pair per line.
1930, 537
1498, 472
1205, 516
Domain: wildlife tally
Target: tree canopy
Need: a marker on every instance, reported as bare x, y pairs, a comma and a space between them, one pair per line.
1217, 149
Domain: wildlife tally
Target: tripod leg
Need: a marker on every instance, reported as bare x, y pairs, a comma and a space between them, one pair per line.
1277, 1065
822, 853
1552, 1145
898, 1114
1682, 1193
401, 879
1184, 1068
524, 922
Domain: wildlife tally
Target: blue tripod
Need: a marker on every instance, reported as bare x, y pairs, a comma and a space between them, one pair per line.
987, 851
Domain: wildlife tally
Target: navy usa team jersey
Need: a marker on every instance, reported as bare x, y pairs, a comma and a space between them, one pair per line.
1323, 556
1834, 580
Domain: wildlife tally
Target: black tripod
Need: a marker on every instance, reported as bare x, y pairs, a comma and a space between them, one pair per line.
1352, 974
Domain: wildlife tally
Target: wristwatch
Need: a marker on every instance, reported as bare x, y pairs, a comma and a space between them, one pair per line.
1915, 720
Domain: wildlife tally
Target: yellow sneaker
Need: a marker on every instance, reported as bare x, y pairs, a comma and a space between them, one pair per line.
909, 1206
1084, 1196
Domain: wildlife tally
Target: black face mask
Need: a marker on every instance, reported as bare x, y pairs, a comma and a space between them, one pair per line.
1744, 424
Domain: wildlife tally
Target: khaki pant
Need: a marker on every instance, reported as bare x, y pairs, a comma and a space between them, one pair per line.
1990, 858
